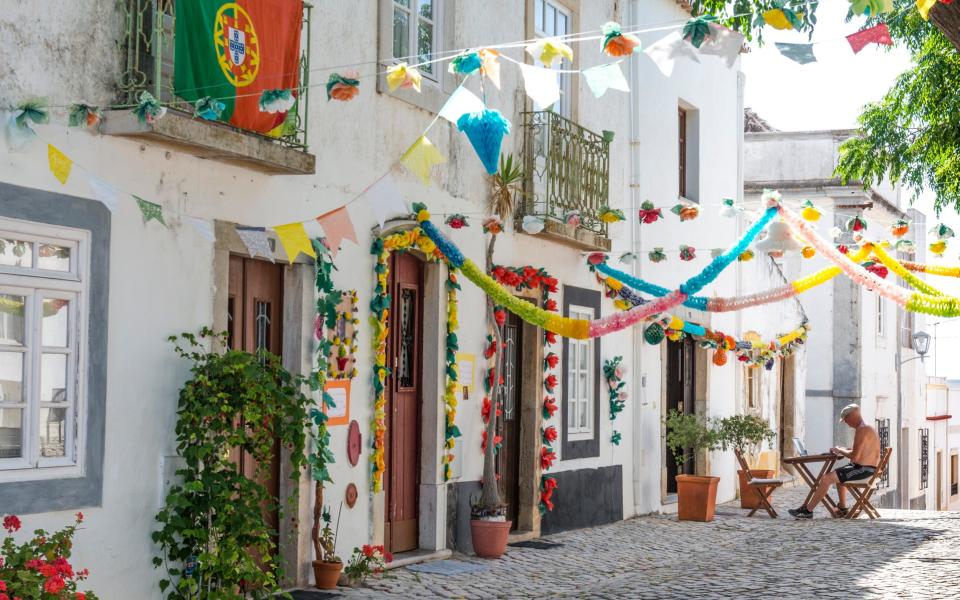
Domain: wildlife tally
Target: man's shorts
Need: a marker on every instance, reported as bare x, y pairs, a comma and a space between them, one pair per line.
854, 472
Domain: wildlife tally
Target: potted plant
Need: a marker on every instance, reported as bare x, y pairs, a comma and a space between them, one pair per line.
327, 566
696, 494
746, 433
366, 561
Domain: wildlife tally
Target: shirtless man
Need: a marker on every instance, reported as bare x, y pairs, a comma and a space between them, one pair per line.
864, 458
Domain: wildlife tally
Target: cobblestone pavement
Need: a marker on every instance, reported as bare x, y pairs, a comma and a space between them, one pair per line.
906, 554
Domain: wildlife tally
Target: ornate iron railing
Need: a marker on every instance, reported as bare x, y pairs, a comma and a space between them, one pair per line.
566, 168
924, 457
147, 49
883, 432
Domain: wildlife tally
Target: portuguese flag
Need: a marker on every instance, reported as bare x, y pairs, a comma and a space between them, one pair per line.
233, 51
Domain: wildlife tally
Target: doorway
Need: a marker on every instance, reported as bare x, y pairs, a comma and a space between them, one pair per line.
405, 358
940, 505
787, 407
508, 458
680, 390
255, 322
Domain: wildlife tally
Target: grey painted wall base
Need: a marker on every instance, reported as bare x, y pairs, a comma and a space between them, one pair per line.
458, 515
585, 498
889, 500
918, 503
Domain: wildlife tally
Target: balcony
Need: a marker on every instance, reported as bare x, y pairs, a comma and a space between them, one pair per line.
567, 168
147, 48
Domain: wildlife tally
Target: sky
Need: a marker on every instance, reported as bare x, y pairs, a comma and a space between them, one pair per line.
829, 94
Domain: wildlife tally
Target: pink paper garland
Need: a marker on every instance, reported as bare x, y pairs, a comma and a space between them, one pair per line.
621, 320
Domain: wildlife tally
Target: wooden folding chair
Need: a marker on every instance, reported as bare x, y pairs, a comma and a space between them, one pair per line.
763, 487
862, 490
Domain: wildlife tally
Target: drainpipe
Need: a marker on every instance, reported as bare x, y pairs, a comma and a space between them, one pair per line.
899, 359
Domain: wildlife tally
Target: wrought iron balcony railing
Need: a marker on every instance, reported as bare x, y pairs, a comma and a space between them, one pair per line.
147, 48
567, 168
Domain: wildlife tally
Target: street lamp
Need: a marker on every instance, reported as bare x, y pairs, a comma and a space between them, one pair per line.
921, 343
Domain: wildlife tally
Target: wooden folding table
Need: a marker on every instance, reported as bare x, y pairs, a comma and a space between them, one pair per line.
801, 462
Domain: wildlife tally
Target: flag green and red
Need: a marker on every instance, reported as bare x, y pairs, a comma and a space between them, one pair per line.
234, 50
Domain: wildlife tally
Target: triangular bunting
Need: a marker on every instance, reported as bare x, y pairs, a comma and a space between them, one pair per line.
724, 43
460, 102
924, 7
542, 85
256, 241
202, 227
60, 164
337, 227
606, 77
798, 53
103, 192
384, 199
878, 34
151, 211
666, 51
294, 239
421, 157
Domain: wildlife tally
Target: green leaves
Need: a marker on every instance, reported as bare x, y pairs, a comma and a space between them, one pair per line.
697, 29
746, 16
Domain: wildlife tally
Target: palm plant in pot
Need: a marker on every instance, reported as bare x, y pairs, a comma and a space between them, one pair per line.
746, 434
687, 435
489, 527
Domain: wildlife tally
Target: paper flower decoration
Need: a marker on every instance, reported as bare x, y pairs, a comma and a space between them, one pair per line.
466, 63
780, 17
84, 115
649, 214
657, 255
728, 208
148, 109
402, 76
532, 224
900, 228
905, 246
611, 215
492, 224
942, 232
616, 43
457, 221
808, 252
596, 258
835, 233
856, 223
778, 240
628, 258
809, 211
549, 51
746, 256
572, 218
871, 8
697, 29
18, 130
485, 130
938, 247
687, 253
653, 334
842, 249
276, 101
685, 212
876, 268
208, 109
720, 358
343, 87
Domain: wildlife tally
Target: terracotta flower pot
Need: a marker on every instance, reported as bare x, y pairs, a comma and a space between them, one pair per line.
749, 498
326, 574
696, 497
489, 537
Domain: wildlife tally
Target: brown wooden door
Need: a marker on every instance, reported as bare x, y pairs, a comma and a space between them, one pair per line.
508, 459
680, 396
254, 322
405, 352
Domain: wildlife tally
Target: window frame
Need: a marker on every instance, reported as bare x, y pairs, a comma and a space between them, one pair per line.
566, 102
752, 387
579, 444
881, 325
682, 144
413, 42
576, 432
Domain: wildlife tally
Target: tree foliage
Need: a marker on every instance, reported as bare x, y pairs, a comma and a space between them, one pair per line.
746, 16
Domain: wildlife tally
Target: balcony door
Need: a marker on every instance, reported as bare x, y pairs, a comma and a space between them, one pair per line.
553, 19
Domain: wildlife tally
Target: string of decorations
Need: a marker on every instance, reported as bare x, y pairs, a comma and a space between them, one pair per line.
614, 371
343, 348
327, 300
450, 431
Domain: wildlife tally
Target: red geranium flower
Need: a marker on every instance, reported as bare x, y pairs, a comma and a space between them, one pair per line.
367, 550
3, 585
388, 557
11, 523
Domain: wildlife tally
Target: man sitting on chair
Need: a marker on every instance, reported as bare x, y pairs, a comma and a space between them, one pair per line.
864, 458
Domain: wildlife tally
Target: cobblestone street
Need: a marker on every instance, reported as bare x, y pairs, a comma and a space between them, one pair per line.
906, 554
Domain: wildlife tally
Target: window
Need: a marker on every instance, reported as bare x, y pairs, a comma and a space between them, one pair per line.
953, 475
682, 143
580, 381
883, 432
906, 328
42, 292
924, 457
580, 389
688, 152
751, 386
415, 34
550, 19
881, 316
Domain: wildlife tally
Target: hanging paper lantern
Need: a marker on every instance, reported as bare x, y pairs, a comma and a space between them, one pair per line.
549, 51
616, 43
457, 221
572, 218
532, 224
403, 76
492, 224
485, 130
942, 232
653, 334
905, 246
611, 215
687, 253
856, 223
628, 258
746, 255
697, 29
148, 109
809, 211
900, 228
276, 101
84, 115
685, 212
938, 247
728, 209
720, 358
208, 109
649, 214
778, 240
466, 63
343, 87
657, 255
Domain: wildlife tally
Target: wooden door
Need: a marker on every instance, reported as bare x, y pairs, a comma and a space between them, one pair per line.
508, 458
255, 322
405, 356
680, 396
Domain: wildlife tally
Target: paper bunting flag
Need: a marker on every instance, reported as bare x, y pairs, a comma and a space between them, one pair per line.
460, 102
337, 227
60, 164
878, 34
665, 52
550, 51
402, 76
490, 65
384, 199
605, 77
202, 227
542, 85
798, 53
421, 157
924, 7
294, 239
724, 43
151, 211
532, 224
103, 192
870, 8
256, 241
485, 130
